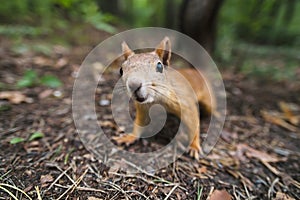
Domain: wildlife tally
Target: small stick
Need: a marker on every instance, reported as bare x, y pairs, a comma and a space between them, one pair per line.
169, 194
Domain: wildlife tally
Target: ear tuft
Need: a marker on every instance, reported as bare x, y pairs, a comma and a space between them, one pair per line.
163, 50
126, 50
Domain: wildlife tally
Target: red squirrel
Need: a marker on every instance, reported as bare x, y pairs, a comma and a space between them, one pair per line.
149, 80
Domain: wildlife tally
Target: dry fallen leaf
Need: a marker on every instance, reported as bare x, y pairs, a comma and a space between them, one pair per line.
28, 188
202, 170
94, 198
15, 97
42, 61
244, 149
220, 195
45, 94
46, 179
282, 196
61, 63
275, 118
107, 123
288, 113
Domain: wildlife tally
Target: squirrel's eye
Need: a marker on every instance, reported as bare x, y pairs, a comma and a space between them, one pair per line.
121, 71
159, 67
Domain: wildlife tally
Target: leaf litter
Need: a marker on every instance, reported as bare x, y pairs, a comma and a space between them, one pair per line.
250, 160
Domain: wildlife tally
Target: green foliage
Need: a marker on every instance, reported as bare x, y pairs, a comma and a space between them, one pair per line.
50, 81
267, 62
199, 191
259, 38
21, 48
263, 22
30, 79
43, 16
15, 31
4, 107
36, 135
141, 13
269, 72
33, 136
93, 16
42, 48
16, 140
68, 156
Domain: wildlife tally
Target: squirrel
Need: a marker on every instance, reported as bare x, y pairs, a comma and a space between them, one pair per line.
149, 80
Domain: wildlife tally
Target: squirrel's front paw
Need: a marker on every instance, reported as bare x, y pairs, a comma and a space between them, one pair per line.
125, 139
195, 151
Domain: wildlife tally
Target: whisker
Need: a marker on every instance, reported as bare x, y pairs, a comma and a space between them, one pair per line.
167, 87
120, 86
157, 90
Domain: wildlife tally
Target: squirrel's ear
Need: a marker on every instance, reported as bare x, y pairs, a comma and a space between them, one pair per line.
126, 50
163, 50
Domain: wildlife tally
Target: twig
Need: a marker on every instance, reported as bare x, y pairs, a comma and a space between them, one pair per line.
79, 180
57, 179
280, 174
271, 189
135, 191
54, 165
2, 185
10, 194
143, 179
74, 185
82, 188
133, 176
210, 192
117, 187
38, 192
234, 193
2, 176
153, 176
169, 194
246, 189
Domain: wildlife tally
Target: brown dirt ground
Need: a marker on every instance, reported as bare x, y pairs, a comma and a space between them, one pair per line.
58, 165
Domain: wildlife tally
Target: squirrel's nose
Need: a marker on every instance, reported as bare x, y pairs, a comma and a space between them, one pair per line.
134, 85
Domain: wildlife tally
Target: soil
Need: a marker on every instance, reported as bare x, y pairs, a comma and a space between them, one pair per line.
255, 158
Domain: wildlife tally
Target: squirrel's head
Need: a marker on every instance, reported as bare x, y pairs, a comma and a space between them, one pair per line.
144, 74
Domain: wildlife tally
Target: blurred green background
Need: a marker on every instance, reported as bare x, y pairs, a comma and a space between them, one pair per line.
254, 37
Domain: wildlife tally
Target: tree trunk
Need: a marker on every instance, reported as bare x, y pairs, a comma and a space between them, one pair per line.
198, 20
110, 6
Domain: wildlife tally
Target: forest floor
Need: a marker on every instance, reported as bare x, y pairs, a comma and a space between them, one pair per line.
256, 157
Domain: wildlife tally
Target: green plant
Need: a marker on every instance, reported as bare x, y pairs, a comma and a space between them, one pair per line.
16, 140
92, 15
87, 11
41, 17
50, 81
265, 22
30, 79
141, 13
36, 135
33, 136
20, 30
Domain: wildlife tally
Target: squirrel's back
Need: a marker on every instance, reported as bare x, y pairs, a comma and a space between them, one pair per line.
200, 86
